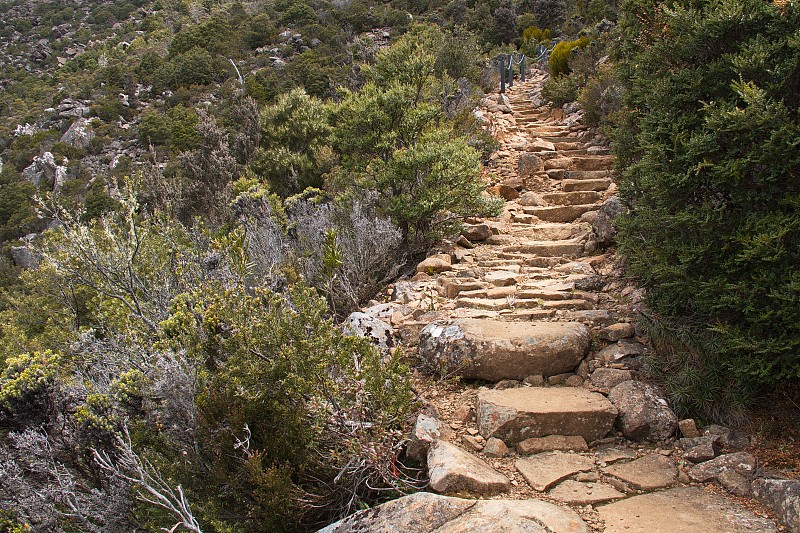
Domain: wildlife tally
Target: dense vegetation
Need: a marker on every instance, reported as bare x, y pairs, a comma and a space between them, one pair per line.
709, 142
254, 172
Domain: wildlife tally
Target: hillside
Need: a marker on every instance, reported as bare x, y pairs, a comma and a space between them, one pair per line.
266, 265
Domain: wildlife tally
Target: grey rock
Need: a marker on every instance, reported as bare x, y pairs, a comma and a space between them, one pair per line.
426, 431
79, 134
699, 449
24, 257
494, 350
644, 413
729, 439
783, 496
740, 462
363, 325
603, 226
451, 469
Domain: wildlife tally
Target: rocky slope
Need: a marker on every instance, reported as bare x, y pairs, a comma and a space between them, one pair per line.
554, 420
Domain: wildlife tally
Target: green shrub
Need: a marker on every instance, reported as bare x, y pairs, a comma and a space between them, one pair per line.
708, 139
560, 90
601, 97
560, 56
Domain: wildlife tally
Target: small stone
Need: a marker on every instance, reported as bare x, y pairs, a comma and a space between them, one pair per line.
426, 430
644, 413
463, 241
608, 378
536, 380
688, 428
615, 332
700, 449
589, 477
464, 414
477, 232
472, 431
471, 443
573, 381
559, 379
507, 384
495, 448
729, 439
433, 264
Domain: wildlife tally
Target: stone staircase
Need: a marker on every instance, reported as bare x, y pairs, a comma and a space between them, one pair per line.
551, 420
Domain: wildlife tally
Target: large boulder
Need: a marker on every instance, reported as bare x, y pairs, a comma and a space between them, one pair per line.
604, 228
644, 413
515, 415
44, 170
494, 350
783, 495
79, 134
424, 512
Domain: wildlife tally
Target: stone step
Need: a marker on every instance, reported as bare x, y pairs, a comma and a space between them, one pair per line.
587, 162
423, 512
568, 249
572, 185
549, 231
508, 303
586, 174
572, 198
681, 510
565, 213
572, 304
494, 350
544, 470
562, 138
514, 415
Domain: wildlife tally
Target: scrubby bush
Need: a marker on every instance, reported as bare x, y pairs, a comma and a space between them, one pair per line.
560, 90
559, 61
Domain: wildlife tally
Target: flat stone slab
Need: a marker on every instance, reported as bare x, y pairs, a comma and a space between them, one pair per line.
514, 415
494, 350
650, 472
501, 278
543, 470
578, 493
681, 510
451, 469
567, 249
612, 454
424, 512
571, 197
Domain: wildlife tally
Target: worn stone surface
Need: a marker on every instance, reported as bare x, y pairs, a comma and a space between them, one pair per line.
688, 428
731, 440
740, 462
529, 164
644, 413
681, 510
549, 443
615, 332
426, 430
494, 350
518, 414
424, 512
783, 495
451, 469
434, 264
577, 493
646, 473
543, 470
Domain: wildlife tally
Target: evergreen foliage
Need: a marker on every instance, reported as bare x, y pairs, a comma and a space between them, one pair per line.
709, 142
